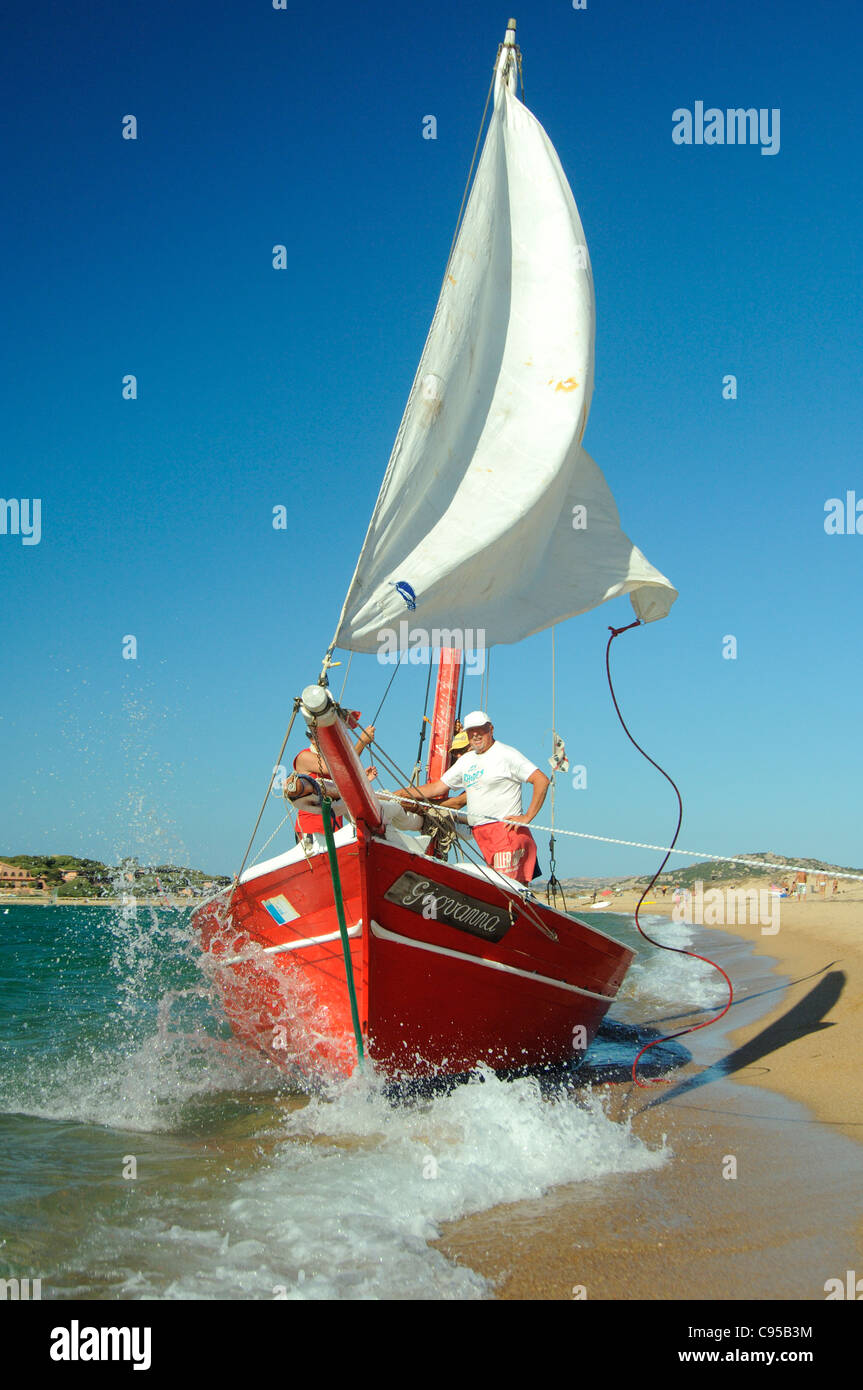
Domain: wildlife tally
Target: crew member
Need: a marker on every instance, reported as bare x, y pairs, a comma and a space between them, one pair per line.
457, 749
492, 774
307, 764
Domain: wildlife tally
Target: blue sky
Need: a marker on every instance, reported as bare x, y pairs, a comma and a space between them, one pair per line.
258, 387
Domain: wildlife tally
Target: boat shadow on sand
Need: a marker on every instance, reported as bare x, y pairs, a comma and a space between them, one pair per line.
805, 1018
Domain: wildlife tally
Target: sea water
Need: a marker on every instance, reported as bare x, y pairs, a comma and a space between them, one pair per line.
145, 1153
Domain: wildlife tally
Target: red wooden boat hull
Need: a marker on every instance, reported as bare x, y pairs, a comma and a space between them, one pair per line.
449, 970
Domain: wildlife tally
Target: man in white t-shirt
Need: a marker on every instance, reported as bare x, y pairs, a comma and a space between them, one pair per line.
492, 774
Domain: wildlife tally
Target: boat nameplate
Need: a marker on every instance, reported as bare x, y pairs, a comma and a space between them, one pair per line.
437, 902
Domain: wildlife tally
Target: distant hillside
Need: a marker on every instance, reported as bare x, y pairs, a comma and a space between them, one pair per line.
96, 880
721, 871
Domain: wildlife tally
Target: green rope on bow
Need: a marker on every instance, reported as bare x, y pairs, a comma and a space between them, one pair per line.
326, 812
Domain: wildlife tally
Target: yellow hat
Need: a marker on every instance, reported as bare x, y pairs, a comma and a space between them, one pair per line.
460, 741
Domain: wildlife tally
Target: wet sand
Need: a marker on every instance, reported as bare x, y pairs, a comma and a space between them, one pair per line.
819, 1018
775, 1087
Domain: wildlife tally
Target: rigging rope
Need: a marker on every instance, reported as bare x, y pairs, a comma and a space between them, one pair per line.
553, 886
289, 816
678, 950
703, 854
423, 727
345, 681
485, 682
399, 665
461, 691
263, 807
470, 173
690, 853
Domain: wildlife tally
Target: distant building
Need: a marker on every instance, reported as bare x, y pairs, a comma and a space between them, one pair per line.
67, 878
18, 880
11, 871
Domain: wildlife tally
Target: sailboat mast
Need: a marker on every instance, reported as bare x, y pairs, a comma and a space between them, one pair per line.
507, 62
443, 717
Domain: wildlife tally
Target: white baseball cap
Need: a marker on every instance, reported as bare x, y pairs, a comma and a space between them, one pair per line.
475, 719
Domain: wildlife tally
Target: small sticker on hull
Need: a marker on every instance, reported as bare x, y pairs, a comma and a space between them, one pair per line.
280, 909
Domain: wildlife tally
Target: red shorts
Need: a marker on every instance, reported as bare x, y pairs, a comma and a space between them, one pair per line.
307, 823
510, 849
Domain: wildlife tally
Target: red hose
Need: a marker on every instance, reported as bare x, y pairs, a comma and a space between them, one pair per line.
679, 950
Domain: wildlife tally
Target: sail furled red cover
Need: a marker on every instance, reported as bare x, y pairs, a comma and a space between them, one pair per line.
491, 516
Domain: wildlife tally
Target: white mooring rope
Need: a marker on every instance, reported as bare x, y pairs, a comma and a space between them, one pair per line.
691, 853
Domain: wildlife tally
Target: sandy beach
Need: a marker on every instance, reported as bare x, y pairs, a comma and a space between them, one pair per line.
819, 941
774, 1087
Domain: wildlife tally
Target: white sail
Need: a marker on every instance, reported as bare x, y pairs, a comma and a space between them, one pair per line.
491, 516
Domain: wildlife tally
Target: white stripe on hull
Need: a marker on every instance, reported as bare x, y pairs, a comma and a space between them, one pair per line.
386, 935
291, 946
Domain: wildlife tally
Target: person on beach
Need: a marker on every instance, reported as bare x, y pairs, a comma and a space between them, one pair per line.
492, 775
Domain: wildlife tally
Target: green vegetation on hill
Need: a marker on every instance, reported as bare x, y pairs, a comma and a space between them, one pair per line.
96, 880
710, 871
724, 871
